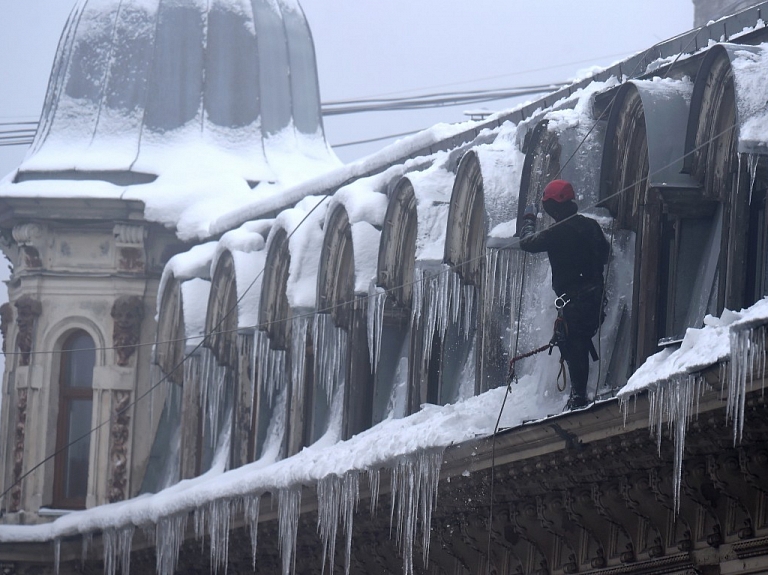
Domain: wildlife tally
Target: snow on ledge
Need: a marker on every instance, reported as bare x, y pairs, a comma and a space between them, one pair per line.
701, 348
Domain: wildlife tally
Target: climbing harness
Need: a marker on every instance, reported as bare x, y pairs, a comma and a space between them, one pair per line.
559, 334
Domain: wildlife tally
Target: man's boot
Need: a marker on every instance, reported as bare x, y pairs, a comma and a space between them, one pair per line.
576, 401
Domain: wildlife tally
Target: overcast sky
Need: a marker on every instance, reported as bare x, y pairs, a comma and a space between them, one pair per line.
391, 47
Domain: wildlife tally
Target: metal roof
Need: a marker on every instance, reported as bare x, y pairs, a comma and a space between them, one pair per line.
128, 75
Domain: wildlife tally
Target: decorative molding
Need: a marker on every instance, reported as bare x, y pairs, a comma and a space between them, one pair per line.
29, 233
128, 236
18, 449
118, 450
129, 240
29, 309
127, 313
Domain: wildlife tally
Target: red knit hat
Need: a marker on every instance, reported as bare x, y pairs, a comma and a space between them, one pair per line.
559, 191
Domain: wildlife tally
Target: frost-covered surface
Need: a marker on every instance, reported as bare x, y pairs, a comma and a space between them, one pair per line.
335, 179
365, 203
380, 446
501, 164
750, 73
194, 299
699, 349
674, 382
194, 263
304, 226
247, 245
432, 188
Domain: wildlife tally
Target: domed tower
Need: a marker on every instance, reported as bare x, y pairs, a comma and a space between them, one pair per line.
160, 116
139, 85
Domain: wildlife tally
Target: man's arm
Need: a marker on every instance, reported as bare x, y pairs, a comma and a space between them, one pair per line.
530, 240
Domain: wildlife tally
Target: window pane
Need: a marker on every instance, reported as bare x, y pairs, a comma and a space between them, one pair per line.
76, 461
79, 362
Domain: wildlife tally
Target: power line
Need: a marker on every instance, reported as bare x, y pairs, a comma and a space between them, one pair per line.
379, 139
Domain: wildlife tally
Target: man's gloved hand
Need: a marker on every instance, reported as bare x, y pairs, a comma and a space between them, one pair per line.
529, 222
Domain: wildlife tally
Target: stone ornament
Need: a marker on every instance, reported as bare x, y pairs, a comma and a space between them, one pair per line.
18, 450
6, 317
29, 309
127, 313
118, 452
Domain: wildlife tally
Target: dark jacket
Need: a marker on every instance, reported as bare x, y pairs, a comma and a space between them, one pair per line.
577, 250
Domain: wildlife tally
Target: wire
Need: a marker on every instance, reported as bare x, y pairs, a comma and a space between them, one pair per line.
379, 139
519, 72
205, 337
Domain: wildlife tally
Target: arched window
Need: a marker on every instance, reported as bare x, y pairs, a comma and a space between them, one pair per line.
78, 356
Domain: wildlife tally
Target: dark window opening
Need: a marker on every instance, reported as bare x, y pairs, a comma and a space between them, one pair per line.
73, 440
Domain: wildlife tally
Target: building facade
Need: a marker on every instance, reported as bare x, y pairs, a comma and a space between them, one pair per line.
344, 341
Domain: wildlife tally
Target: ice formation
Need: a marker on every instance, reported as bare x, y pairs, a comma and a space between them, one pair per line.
673, 378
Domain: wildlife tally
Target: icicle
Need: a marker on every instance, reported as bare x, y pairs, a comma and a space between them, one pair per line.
377, 298
125, 538
272, 374
674, 401
86, 545
328, 500
414, 492
330, 354
288, 508
200, 513
117, 547
298, 353
169, 535
350, 496
109, 540
444, 300
337, 497
252, 504
752, 162
418, 296
748, 360
56, 555
374, 483
219, 519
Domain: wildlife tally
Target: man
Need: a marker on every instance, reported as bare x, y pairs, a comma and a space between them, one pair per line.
578, 252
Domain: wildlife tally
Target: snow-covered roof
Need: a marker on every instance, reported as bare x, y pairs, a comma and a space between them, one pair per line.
246, 245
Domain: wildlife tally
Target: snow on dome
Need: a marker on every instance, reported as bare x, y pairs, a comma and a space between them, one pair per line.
174, 103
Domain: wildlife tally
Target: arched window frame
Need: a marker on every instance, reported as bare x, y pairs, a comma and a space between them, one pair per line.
67, 395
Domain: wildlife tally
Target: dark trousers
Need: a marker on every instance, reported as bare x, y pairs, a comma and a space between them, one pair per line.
575, 352
583, 316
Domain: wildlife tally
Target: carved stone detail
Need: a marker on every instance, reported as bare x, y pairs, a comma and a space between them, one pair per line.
18, 449
127, 313
29, 233
131, 260
130, 243
6, 317
127, 235
29, 309
118, 450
